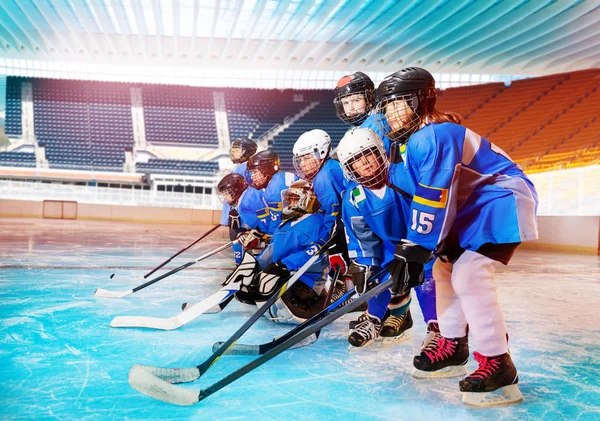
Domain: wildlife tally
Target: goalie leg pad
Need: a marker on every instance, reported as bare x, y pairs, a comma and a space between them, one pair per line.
297, 304
244, 273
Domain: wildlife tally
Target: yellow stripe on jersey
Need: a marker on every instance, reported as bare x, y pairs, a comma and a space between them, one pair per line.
431, 196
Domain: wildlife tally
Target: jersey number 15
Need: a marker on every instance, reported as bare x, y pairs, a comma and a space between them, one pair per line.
422, 222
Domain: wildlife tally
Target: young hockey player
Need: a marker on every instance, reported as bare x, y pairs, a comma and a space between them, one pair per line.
301, 234
249, 207
239, 152
375, 215
354, 104
262, 172
471, 205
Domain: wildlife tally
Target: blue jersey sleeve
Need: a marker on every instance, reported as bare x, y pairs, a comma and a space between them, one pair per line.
371, 123
253, 211
279, 182
363, 245
295, 242
329, 185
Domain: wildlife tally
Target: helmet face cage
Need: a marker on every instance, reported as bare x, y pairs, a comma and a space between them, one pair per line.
308, 165
230, 188
299, 199
399, 117
259, 175
368, 167
241, 150
349, 114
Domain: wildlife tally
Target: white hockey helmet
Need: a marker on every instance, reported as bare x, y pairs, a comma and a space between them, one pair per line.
310, 152
363, 158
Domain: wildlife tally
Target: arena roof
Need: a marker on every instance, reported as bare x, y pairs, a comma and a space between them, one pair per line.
519, 37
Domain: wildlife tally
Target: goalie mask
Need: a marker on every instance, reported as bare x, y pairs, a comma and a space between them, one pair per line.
298, 199
230, 188
363, 158
354, 98
403, 99
311, 150
261, 167
241, 150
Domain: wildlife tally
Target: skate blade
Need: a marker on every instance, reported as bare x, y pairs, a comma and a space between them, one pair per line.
507, 395
352, 348
393, 340
444, 373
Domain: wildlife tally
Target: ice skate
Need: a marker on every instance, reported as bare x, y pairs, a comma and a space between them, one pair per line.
494, 383
365, 332
433, 335
396, 329
442, 359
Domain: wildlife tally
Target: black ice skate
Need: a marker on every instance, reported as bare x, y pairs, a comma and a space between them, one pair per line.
494, 383
433, 335
353, 323
365, 332
340, 289
396, 329
442, 359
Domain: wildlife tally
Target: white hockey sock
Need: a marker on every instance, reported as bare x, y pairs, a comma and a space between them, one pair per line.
473, 282
452, 321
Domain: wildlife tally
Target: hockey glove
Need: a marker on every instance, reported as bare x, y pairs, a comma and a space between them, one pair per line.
360, 276
407, 267
251, 239
272, 277
336, 260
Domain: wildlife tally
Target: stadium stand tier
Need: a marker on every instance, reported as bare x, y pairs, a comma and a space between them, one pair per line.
544, 123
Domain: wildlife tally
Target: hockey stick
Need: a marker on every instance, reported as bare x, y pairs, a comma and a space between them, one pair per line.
182, 375
246, 269
248, 349
180, 319
100, 292
206, 234
156, 382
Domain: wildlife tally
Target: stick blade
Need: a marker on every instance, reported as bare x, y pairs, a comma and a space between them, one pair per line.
144, 381
100, 292
146, 322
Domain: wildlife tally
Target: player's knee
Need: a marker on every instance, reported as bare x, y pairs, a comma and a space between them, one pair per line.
471, 273
442, 271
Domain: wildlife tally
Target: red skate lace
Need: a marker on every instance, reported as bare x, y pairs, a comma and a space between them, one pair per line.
443, 349
487, 366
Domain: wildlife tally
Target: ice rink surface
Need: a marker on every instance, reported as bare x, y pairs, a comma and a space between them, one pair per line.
60, 360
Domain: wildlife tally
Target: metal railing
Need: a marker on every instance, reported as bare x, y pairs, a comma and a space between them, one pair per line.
25, 190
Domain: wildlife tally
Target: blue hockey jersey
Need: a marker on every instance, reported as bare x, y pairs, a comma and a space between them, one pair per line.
462, 182
254, 214
329, 185
375, 221
296, 241
371, 123
272, 193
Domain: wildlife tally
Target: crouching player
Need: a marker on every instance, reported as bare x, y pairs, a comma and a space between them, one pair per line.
301, 234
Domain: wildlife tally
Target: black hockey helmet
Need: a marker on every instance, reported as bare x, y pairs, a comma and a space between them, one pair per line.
242, 149
415, 86
356, 83
261, 167
231, 187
